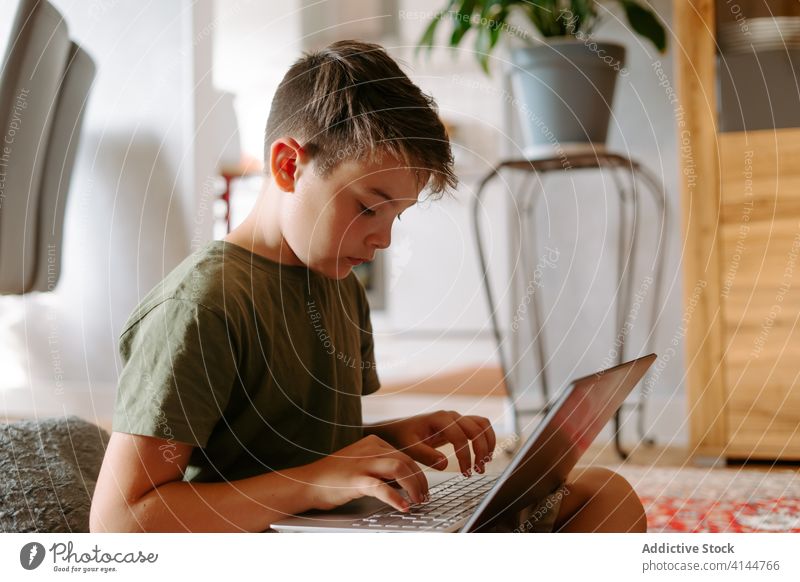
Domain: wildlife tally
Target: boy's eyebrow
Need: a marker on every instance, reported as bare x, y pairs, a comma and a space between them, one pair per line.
382, 194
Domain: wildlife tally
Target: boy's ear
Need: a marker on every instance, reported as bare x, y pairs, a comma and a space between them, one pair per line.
284, 157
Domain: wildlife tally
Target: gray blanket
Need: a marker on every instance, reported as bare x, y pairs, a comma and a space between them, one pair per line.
48, 471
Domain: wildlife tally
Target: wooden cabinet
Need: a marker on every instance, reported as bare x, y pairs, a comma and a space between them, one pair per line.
760, 234
741, 265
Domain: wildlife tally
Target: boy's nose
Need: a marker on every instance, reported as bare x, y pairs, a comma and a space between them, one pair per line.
381, 239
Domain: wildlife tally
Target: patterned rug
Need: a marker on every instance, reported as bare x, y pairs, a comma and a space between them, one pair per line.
717, 500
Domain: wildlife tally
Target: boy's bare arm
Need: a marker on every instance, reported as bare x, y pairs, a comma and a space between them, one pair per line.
140, 487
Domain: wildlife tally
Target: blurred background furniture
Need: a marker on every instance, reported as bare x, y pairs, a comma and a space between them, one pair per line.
246, 168
758, 65
524, 259
44, 87
48, 467
741, 213
232, 163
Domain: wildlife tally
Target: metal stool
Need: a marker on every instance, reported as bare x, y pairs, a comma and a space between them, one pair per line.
538, 168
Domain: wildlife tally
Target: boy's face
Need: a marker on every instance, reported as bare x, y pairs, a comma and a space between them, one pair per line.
335, 222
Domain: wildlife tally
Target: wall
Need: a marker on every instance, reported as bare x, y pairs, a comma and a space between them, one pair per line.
254, 44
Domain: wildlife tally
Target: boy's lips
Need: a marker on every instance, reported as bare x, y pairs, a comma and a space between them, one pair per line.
356, 260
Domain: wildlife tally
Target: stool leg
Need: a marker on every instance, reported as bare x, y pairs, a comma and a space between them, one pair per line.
528, 249
625, 267
527, 203
635, 240
660, 200
484, 270
626, 260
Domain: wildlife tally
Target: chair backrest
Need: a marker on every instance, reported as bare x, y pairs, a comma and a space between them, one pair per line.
59, 162
33, 66
38, 147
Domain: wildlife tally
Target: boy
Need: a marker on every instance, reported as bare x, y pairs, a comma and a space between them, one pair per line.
240, 399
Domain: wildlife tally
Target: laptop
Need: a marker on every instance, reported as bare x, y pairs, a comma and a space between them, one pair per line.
474, 504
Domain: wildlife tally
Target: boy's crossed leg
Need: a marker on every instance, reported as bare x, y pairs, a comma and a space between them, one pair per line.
599, 500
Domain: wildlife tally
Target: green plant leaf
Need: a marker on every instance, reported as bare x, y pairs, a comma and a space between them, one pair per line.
463, 21
483, 47
584, 15
549, 17
545, 14
427, 38
493, 8
494, 31
645, 22
495, 13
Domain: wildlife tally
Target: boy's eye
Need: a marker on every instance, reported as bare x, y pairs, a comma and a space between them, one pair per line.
367, 211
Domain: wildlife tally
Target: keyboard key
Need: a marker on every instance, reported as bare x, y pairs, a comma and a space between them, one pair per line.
450, 503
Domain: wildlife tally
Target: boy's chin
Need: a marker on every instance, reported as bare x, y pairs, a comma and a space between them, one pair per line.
342, 270
334, 269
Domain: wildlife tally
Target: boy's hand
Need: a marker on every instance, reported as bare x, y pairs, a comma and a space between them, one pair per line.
419, 436
364, 469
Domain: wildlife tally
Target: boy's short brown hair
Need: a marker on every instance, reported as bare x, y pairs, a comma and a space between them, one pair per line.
351, 101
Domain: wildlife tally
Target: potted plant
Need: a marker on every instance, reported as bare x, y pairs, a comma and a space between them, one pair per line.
566, 84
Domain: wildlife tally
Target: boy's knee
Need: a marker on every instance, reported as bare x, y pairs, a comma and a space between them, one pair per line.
598, 480
587, 482
612, 490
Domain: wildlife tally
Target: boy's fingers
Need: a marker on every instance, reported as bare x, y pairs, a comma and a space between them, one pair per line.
480, 445
418, 474
427, 455
376, 488
455, 435
386, 450
488, 431
397, 470
414, 469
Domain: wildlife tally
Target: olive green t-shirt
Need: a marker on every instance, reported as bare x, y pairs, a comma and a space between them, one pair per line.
259, 365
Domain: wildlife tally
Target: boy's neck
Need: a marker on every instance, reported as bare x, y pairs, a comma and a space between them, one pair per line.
261, 232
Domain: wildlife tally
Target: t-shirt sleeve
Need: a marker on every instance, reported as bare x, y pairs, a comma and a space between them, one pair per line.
369, 376
179, 371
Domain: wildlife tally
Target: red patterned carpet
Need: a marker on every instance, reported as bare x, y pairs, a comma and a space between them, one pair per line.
717, 500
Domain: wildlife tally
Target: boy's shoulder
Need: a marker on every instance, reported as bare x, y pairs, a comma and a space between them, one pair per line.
222, 276
199, 281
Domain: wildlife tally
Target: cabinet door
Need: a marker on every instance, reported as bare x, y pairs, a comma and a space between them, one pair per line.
760, 235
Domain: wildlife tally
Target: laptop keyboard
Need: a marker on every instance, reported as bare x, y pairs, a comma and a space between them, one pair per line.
451, 502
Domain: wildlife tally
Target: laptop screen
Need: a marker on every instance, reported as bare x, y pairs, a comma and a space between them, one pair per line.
543, 463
